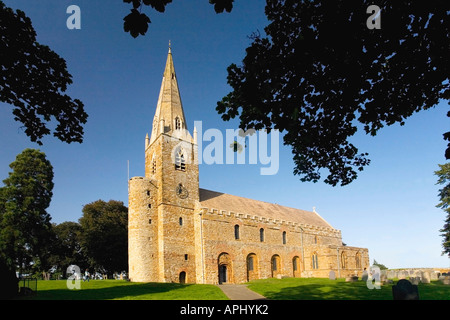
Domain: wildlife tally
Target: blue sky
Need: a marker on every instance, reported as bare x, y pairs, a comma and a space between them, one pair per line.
389, 209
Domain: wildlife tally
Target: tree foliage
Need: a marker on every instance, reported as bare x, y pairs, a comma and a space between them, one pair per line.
319, 73
136, 23
25, 228
379, 265
444, 197
66, 249
33, 79
104, 238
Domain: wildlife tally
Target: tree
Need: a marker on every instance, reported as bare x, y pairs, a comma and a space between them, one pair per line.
66, 249
320, 72
33, 79
105, 235
136, 23
379, 265
25, 228
444, 196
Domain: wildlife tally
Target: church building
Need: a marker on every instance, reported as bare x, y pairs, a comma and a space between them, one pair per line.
178, 232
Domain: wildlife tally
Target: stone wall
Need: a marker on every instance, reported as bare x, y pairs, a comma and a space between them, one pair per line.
286, 249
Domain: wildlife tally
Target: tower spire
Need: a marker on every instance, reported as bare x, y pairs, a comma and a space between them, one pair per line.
169, 115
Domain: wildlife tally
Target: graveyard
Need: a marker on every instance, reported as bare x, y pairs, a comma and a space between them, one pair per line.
348, 288
430, 285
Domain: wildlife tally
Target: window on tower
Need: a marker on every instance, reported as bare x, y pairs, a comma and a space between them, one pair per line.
180, 161
177, 123
154, 166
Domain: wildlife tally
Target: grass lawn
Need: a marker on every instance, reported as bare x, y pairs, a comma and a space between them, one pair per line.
325, 289
274, 289
124, 290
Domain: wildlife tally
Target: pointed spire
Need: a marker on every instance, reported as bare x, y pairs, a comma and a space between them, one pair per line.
169, 109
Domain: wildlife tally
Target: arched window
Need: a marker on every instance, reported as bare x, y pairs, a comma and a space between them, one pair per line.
343, 260
358, 260
315, 261
177, 123
261, 235
284, 237
180, 162
236, 232
275, 263
295, 262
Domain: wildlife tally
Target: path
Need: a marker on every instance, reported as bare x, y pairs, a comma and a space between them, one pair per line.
240, 292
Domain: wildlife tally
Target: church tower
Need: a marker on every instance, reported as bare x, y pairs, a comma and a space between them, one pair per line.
161, 244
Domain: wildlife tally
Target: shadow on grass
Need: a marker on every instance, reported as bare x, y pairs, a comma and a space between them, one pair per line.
110, 290
324, 289
338, 291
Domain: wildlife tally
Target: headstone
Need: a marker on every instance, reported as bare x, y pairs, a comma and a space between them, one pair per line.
445, 279
405, 290
434, 275
402, 275
332, 275
392, 274
351, 279
426, 277
414, 280
383, 275
365, 276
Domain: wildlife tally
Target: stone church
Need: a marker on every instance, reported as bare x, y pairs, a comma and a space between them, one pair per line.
178, 232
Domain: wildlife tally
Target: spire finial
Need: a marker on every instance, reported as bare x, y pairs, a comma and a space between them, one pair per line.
170, 47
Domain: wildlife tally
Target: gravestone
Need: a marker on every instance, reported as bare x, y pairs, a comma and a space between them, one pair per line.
391, 274
351, 279
365, 276
332, 275
414, 280
426, 277
402, 274
444, 279
434, 275
405, 290
383, 276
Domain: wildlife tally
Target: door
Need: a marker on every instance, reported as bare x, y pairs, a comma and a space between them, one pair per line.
222, 273
182, 277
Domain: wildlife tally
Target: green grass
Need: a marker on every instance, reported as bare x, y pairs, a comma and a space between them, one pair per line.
274, 289
124, 290
325, 289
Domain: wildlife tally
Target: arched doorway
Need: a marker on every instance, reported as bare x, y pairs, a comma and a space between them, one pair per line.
224, 268
182, 277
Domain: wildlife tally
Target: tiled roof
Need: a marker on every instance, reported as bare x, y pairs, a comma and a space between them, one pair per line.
222, 201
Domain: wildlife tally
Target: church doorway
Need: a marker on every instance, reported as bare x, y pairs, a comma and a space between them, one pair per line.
223, 274
182, 277
224, 268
